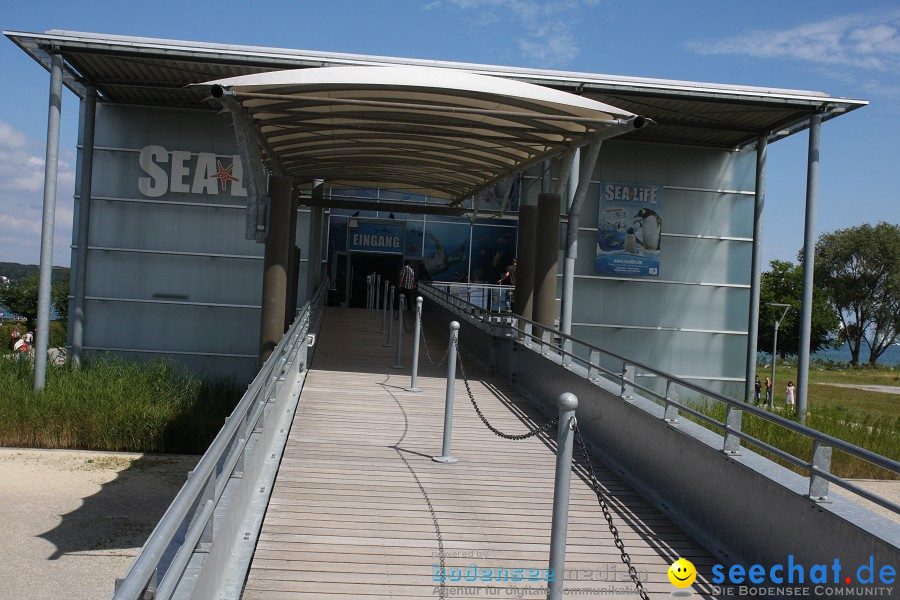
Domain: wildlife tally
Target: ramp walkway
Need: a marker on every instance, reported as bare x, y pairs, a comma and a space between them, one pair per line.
359, 510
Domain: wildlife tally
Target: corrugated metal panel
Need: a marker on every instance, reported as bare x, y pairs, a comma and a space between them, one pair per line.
151, 72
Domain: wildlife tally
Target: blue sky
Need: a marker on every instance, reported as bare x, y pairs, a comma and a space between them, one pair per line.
848, 49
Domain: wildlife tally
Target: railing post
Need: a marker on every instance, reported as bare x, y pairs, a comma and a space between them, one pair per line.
390, 318
821, 460
627, 392
384, 307
513, 355
546, 341
567, 403
732, 444
415, 358
567, 352
671, 413
401, 298
594, 359
445, 456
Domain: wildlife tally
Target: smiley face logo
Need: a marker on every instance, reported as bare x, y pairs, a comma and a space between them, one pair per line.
682, 573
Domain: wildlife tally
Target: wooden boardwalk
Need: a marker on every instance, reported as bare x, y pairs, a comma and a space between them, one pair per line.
358, 502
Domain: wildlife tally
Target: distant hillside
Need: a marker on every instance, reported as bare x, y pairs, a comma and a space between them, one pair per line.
18, 272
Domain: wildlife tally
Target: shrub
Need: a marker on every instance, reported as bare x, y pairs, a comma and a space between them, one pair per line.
113, 405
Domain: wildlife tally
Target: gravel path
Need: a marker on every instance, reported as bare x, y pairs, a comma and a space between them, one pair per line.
884, 389
74, 520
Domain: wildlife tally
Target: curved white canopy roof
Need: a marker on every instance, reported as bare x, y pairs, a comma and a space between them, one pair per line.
442, 132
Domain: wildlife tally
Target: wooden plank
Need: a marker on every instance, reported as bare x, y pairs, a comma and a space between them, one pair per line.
348, 516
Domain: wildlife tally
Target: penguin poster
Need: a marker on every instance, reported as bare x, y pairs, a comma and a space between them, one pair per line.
629, 229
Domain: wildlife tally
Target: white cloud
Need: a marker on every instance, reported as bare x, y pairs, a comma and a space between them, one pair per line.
862, 41
22, 199
546, 25
11, 138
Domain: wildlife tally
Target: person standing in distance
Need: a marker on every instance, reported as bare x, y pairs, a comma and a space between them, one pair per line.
407, 284
790, 395
757, 388
509, 278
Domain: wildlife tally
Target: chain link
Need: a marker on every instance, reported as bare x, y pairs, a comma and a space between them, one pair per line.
507, 436
424, 343
595, 485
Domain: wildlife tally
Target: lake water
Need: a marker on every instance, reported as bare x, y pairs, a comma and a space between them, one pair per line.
890, 358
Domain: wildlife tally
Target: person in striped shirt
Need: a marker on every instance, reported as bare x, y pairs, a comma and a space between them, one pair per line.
407, 284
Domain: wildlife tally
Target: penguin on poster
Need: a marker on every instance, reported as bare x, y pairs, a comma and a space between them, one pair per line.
651, 226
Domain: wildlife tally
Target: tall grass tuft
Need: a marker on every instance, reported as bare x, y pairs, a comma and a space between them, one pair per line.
112, 404
880, 435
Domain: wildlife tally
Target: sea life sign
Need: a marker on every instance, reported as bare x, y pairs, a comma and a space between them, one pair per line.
629, 229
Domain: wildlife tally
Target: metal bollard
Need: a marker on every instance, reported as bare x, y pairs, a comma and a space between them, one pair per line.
415, 358
559, 529
384, 308
448, 402
390, 318
402, 301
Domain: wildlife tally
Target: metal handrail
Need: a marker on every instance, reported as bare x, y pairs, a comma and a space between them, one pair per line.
206, 482
524, 329
494, 297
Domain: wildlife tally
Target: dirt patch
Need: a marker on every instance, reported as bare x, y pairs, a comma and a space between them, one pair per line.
75, 520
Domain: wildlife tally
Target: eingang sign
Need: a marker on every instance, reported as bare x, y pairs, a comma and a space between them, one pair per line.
369, 236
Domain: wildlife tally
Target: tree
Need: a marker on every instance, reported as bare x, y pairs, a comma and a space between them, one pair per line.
22, 299
860, 267
783, 284
59, 295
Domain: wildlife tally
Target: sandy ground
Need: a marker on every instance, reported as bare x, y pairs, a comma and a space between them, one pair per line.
75, 520
886, 489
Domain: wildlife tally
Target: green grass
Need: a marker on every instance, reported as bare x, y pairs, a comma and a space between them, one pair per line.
822, 396
880, 434
112, 405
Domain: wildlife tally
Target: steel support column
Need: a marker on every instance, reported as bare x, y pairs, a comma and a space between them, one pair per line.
254, 172
755, 265
275, 274
51, 166
809, 246
585, 168
84, 223
314, 251
574, 176
546, 259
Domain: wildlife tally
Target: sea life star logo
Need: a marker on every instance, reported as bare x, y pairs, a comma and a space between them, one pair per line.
224, 175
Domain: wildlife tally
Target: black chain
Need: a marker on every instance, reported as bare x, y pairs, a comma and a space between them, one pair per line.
595, 485
508, 436
424, 343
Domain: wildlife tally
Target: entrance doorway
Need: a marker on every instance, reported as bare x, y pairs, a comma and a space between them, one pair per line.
363, 264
